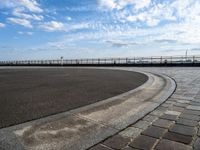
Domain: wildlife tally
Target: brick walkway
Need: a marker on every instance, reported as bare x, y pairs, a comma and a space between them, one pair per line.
174, 125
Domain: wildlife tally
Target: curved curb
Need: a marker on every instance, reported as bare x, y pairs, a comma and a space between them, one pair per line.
113, 113
83, 127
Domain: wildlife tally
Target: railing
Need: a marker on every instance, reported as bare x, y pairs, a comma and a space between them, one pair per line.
111, 61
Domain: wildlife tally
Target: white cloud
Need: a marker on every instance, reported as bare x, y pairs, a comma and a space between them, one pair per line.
154, 13
25, 33
2, 25
121, 4
22, 22
121, 43
68, 18
108, 4
79, 26
18, 12
152, 22
141, 3
59, 26
24, 10
52, 26
30, 5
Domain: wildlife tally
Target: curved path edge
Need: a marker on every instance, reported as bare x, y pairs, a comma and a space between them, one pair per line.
86, 126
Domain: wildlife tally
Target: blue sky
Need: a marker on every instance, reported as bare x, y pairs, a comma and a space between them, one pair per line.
48, 29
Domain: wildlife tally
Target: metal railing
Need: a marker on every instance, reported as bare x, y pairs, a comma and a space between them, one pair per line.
111, 61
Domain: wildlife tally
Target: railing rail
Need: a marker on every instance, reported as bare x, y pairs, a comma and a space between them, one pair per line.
110, 61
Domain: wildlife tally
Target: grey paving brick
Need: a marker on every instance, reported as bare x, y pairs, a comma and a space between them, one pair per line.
191, 112
187, 122
195, 103
173, 112
181, 105
163, 123
150, 118
197, 144
131, 132
143, 142
190, 117
161, 108
117, 142
181, 129
100, 147
170, 101
183, 101
182, 97
178, 137
169, 117
193, 107
154, 131
142, 124
176, 108
166, 105
157, 113
165, 144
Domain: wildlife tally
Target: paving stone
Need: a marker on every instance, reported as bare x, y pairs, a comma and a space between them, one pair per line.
171, 145
176, 108
143, 142
157, 113
182, 97
166, 105
178, 137
181, 105
193, 107
195, 103
187, 122
183, 101
169, 117
150, 118
161, 108
190, 117
154, 131
181, 129
173, 112
163, 123
170, 101
192, 112
197, 144
131, 132
117, 142
142, 124
100, 147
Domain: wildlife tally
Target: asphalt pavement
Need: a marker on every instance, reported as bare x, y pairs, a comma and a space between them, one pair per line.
31, 93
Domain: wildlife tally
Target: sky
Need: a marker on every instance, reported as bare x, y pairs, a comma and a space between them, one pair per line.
49, 29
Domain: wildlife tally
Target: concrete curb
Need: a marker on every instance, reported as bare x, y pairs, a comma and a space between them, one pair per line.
83, 127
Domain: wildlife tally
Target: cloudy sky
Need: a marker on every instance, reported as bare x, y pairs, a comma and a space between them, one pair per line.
48, 29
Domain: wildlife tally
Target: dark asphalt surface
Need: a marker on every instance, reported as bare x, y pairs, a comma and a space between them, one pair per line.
27, 94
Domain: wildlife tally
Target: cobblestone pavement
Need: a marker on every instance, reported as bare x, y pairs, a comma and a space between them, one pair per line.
174, 125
